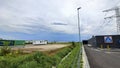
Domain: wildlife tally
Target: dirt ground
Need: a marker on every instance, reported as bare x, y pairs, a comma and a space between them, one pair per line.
32, 48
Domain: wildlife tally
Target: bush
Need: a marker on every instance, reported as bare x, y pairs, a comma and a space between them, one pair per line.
5, 50
4, 63
34, 60
31, 64
71, 58
55, 60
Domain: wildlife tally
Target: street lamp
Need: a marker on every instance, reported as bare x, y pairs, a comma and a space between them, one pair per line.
79, 23
78, 62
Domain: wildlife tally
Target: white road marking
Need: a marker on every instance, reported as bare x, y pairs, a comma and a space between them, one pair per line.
108, 52
95, 49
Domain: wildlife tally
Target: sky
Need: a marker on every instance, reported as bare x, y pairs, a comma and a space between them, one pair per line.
55, 20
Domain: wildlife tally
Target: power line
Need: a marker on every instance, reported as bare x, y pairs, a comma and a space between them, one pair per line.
105, 22
103, 25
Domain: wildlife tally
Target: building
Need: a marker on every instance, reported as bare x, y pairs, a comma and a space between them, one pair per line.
19, 42
11, 42
29, 41
85, 42
112, 41
40, 42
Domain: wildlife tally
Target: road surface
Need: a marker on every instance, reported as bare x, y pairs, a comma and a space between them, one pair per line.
102, 58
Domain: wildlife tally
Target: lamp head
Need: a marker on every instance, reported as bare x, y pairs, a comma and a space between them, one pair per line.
78, 8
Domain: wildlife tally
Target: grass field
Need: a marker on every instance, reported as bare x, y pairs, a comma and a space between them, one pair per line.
47, 58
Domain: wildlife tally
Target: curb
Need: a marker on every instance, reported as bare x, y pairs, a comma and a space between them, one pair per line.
85, 58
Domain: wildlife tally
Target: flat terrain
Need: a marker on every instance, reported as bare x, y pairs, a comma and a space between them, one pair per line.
31, 48
103, 58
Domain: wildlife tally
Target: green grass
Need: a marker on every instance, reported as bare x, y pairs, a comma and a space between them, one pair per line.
34, 60
71, 60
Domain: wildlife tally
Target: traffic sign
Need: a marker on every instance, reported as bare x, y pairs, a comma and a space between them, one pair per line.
108, 39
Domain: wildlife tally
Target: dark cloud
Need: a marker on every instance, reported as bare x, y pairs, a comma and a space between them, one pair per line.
58, 23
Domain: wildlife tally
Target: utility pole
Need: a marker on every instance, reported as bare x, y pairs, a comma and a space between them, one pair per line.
117, 16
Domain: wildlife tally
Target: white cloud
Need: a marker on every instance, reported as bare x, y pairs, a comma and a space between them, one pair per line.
92, 17
32, 16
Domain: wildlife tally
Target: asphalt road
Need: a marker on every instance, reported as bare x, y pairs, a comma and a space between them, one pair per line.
103, 58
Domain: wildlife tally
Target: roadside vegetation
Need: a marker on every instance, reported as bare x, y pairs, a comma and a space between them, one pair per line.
17, 59
71, 59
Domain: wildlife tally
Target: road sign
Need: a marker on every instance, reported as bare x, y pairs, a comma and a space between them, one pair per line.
108, 39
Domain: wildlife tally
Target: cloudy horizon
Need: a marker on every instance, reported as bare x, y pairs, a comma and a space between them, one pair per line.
55, 20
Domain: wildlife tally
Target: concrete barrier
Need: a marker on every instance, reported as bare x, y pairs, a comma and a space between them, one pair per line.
85, 59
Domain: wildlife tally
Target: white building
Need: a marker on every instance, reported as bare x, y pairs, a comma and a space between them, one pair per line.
40, 42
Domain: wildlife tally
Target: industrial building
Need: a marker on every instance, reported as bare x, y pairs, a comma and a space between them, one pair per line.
40, 42
11, 42
113, 41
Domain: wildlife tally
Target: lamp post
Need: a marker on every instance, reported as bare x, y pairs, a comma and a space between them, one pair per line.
79, 23
79, 57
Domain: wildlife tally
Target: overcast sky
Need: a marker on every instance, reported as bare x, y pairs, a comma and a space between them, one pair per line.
55, 20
